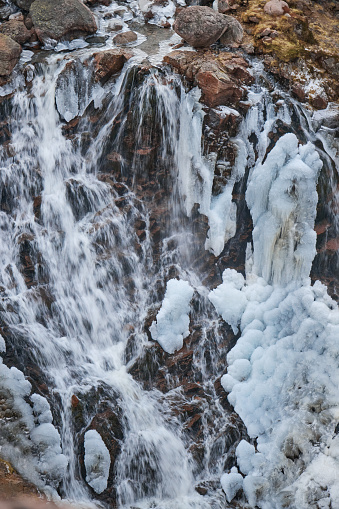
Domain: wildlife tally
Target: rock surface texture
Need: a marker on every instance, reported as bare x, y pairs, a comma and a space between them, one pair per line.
10, 52
200, 26
65, 19
16, 30
221, 79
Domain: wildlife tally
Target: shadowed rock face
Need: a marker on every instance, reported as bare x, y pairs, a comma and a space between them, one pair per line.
63, 19
200, 26
23, 4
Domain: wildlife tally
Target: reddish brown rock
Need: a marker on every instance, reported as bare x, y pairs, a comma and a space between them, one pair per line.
319, 102
16, 30
10, 52
200, 26
299, 92
125, 38
221, 78
109, 62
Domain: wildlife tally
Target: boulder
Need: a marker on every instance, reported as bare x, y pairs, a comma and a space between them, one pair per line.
109, 62
200, 26
234, 32
276, 8
10, 52
16, 30
64, 19
125, 38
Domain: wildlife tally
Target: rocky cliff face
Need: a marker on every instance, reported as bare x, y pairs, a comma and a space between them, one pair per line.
297, 57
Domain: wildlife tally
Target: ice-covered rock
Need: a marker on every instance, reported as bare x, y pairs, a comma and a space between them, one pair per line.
97, 461
172, 322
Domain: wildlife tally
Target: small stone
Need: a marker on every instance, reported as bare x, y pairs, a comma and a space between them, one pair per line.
253, 19
125, 38
265, 32
115, 26
223, 6
267, 40
274, 34
276, 8
319, 102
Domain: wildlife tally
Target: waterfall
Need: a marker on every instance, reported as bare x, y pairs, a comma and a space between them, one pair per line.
108, 197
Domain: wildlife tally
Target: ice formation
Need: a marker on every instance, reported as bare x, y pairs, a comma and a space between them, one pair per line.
282, 199
172, 321
36, 451
282, 375
97, 461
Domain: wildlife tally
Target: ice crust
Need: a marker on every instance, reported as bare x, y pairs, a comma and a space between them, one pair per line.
172, 321
282, 375
97, 461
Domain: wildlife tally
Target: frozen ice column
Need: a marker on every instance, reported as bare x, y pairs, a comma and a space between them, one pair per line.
282, 199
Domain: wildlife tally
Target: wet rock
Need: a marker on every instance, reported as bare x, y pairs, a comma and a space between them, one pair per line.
276, 8
16, 30
299, 92
319, 102
65, 19
200, 26
10, 52
234, 32
221, 78
109, 62
125, 38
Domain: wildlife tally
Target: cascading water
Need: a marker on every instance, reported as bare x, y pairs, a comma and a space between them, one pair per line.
84, 264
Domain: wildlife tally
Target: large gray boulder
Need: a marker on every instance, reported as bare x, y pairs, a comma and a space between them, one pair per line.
10, 52
61, 19
200, 26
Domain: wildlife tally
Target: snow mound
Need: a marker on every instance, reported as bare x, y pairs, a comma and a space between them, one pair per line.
97, 461
172, 321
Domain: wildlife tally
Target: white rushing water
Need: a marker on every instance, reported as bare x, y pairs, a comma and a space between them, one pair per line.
93, 283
